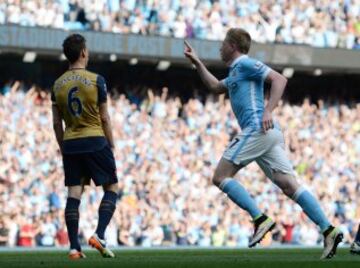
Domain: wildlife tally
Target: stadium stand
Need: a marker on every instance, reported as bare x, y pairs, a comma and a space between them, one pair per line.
164, 147
316, 23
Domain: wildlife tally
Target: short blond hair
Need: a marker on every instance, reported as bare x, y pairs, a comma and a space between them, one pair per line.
240, 38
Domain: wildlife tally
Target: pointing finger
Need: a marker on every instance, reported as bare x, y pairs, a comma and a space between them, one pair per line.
187, 44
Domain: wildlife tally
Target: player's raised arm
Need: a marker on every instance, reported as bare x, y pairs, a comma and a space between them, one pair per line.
211, 82
278, 84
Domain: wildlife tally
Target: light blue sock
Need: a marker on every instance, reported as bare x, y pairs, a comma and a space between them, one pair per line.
240, 197
311, 207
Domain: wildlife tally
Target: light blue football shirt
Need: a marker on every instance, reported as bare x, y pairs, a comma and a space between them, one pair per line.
245, 84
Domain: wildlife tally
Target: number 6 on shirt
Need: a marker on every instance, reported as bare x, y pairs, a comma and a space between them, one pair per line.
72, 99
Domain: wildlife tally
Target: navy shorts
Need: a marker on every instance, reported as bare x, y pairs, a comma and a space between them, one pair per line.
82, 167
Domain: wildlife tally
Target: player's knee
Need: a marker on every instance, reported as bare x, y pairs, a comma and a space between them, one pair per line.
287, 183
288, 191
75, 192
216, 180
111, 187
288, 188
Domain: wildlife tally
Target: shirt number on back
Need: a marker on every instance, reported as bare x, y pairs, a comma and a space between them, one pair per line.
74, 103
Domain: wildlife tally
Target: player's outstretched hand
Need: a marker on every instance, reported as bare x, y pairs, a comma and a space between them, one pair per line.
267, 121
190, 53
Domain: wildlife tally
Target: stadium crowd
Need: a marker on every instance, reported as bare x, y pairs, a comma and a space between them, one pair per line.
166, 152
319, 23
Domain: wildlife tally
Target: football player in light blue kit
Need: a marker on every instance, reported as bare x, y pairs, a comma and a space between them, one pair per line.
261, 139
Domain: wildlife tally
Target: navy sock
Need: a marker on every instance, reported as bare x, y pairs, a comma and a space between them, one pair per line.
106, 211
357, 238
72, 222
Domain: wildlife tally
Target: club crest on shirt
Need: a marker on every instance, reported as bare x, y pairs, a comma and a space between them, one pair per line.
258, 65
233, 86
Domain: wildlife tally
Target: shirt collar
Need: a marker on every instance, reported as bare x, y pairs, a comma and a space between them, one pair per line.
237, 60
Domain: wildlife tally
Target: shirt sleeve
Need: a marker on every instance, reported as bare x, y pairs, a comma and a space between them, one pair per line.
224, 82
102, 89
255, 70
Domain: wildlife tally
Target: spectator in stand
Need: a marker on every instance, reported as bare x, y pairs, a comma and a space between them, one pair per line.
4, 233
27, 232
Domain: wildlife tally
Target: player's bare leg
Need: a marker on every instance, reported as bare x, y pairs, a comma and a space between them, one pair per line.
106, 211
72, 221
223, 178
310, 205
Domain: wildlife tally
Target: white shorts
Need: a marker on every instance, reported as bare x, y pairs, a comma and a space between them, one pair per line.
267, 149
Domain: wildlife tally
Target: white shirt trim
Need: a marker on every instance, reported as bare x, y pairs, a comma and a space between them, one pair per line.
253, 103
266, 73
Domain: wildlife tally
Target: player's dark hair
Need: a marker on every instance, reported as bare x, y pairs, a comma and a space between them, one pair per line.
240, 38
72, 47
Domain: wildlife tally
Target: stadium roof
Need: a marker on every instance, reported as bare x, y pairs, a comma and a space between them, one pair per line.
45, 41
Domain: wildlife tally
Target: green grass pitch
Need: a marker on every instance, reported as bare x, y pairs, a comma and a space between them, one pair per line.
173, 258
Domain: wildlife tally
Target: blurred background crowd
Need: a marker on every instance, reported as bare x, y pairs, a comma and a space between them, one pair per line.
319, 23
166, 152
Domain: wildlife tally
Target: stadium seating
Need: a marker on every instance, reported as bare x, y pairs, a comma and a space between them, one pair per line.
168, 147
